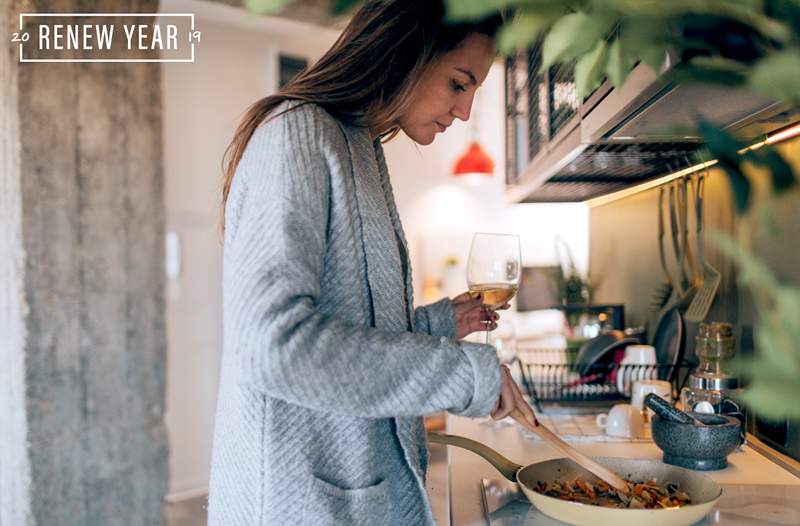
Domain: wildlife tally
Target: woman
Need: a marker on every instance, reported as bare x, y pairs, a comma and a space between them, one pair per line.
327, 368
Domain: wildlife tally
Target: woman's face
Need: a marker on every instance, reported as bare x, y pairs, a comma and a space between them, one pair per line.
446, 91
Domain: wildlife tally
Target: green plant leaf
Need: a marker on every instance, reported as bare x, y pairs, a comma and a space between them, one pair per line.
753, 273
619, 63
773, 386
685, 73
725, 148
573, 35
265, 7
647, 38
773, 372
525, 28
589, 69
771, 341
340, 7
720, 64
778, 75
774, 396
714, 69
740, 185
460, 10
765, 219
783, 177
749, 12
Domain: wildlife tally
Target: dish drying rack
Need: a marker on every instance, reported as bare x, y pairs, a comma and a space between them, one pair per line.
551, 375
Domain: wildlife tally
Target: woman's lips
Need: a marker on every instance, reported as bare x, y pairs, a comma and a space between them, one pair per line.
441, 126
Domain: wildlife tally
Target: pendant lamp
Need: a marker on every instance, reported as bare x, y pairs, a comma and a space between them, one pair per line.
475, 165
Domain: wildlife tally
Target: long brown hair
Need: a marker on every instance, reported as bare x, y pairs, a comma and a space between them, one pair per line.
367, 78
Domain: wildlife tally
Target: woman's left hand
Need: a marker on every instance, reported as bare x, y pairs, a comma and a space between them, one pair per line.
472, 315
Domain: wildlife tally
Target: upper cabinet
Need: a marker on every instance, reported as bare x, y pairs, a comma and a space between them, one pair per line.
562, 149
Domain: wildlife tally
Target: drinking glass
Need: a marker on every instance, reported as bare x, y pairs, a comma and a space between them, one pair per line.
493, 269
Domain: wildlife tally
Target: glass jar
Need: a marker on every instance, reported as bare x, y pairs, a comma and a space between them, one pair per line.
709, 385
715, 346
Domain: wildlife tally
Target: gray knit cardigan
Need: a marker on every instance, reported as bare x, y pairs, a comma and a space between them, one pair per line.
327, 369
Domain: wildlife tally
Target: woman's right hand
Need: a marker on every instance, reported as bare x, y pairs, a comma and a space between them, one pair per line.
511, 399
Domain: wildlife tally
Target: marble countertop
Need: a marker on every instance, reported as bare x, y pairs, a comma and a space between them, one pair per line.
466, 469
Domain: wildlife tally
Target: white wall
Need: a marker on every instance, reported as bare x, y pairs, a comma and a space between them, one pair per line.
440, 212
236, 64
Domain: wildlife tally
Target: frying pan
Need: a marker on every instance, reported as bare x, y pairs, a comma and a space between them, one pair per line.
669, 341
703, 491
600, 350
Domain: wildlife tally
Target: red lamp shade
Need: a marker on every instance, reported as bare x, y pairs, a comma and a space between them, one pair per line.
474, 161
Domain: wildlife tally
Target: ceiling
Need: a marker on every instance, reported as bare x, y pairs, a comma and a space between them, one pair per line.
309, 11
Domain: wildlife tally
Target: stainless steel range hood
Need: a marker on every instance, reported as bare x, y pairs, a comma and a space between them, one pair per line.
616, 138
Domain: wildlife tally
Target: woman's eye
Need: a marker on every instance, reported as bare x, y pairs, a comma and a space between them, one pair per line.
458, 87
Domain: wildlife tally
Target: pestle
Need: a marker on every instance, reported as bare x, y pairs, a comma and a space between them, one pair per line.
666, 411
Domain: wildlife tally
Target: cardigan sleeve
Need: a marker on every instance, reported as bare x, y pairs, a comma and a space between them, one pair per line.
288, 349
436, 319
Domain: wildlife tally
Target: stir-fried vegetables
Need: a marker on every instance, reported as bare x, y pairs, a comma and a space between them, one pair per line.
642, 495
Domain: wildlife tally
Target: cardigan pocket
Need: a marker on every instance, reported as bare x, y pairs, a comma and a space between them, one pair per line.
326, 503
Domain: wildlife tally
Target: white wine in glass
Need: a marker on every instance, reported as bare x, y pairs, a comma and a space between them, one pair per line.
493, 268
495, 295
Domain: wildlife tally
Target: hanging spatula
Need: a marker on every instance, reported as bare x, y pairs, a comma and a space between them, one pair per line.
681, 283
701, 303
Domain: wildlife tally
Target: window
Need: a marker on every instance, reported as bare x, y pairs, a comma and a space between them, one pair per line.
289, 68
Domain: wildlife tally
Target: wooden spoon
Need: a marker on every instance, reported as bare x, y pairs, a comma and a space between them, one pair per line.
579, 458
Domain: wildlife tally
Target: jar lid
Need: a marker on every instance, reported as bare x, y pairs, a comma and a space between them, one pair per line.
713, 383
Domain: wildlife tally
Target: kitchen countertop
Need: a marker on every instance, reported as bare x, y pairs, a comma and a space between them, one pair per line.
466, 469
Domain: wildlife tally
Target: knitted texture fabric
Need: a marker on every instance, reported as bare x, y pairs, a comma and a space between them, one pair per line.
327, 369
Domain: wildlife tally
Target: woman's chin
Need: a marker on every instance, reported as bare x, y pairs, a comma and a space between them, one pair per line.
423, 139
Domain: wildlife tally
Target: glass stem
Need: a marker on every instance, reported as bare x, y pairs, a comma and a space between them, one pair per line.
490, 311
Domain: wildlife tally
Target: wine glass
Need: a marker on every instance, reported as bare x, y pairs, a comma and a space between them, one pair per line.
493, 269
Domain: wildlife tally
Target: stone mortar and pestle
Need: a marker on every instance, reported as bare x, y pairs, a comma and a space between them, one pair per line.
696, 441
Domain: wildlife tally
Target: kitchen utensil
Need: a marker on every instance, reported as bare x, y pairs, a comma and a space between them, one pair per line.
638, 364
694, 277
600, 350
623, 420
682, 282
703, 491
664, 290
669, 341
684, 288
704, 447
579, 458
666, 411
644, 387
698, 309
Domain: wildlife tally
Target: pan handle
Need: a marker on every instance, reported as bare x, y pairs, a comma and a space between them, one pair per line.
506, 467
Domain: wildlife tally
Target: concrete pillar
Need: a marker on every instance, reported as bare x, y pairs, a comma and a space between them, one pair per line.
82, 344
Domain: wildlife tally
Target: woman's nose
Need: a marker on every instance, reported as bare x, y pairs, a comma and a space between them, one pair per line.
463, 108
